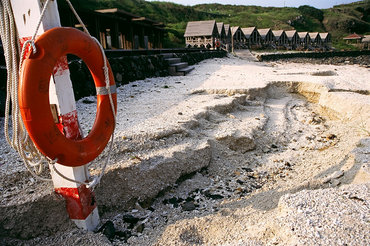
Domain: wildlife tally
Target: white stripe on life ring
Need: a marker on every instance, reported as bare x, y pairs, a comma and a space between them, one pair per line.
103, 90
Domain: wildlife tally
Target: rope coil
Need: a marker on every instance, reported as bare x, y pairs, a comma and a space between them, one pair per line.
19, 140
33, 159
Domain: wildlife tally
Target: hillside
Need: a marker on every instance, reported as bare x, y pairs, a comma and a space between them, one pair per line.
339, 20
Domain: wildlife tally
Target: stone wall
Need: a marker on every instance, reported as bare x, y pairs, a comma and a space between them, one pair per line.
195, 57
127, 66
363, 60
314, 55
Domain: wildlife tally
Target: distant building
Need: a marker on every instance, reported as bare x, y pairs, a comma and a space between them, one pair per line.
118, 29
228, 33
325, 39
221, 32
293, 38
201, 34
238, 38
366, 42
305, 40
252, 37
267, 37
281, 39
315, 39
353, 38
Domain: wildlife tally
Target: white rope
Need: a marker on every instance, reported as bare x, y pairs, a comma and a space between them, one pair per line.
20, 141
107, 86
78, 17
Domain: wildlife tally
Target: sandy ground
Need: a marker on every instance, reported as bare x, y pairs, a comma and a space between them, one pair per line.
235, 153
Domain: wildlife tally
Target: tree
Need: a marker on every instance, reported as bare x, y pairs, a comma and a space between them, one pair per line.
311, 11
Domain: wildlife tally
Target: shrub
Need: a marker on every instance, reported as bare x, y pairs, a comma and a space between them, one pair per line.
311, 11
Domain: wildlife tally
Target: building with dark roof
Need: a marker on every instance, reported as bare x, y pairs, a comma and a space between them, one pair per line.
354, 37
325, 39
315, 39
228, 36
221, 31
225, 42
201, 34
238, 37
267, 37
252, 37
281, 39
118, 29
293, 38
304, 39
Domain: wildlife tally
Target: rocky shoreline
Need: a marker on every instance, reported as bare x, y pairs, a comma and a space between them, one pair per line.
363, 60
361, 57
235, 153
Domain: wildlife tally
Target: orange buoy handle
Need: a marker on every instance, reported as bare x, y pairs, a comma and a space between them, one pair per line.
34, 97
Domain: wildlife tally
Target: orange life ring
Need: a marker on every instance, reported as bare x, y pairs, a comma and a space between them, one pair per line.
34, 97
218, 44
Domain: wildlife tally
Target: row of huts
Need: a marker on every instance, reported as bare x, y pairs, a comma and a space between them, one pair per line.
212, 35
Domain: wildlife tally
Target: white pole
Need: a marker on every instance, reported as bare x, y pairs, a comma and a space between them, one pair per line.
80, 201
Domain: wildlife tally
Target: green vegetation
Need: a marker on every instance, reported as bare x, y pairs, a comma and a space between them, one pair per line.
341, 44
339, 20
244, 16
306, 10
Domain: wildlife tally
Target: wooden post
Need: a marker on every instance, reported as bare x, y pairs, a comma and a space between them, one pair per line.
232, 43
80, 201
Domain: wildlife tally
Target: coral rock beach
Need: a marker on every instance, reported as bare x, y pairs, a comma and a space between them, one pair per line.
238, 152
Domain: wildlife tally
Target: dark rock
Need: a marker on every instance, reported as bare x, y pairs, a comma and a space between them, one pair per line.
247, 169
173, 200
108, 230
146, 203
212, 196
119, 78
140, 228
123, 235
188, 206
128, 218
331, 136
256, 186
87, 101
189, 199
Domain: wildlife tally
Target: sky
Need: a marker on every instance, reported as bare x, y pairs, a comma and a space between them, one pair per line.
320, 4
